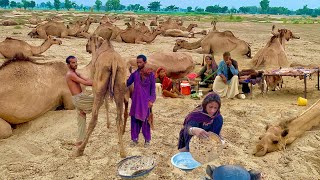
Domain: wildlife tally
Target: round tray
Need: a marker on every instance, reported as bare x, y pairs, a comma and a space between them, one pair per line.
135, 167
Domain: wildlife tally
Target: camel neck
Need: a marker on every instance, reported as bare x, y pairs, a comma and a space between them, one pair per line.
40, 49
193, 45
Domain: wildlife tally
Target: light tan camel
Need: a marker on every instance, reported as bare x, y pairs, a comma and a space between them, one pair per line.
88, 22
30, 89
154, 22
55, 28
171, 24
177, 65
10, 47
109, 79
216, 42
35, 20
106, 19
278, 136
9, 23
177, 33
273, 55
143, 28
132, 35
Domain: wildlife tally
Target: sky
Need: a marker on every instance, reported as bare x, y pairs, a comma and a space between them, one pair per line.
290, 4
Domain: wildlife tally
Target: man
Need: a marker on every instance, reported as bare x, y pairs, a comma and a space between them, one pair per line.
81, 101
143, 97
226, 82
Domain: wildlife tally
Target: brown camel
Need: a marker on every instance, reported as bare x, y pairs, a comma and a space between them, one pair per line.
177, 65
9, 23
35, 20
132, 35
88, 22
177, 33
55, 28
154, 22
143, 28
273, 54
216, 42
109, 79
171, 24
10, 47
22, 83
278, 136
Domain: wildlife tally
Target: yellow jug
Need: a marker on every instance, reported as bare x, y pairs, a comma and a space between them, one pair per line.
302, 101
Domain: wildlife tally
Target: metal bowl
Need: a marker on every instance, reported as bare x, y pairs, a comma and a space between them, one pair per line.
135, 167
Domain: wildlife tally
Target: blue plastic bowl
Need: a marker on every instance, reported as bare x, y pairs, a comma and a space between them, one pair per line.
184, 161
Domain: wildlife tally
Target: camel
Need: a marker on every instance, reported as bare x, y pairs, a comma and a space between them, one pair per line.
10, 47
88, 22
177, 65
216, 42
9, 23
143, 28
109, 79
55, 28
132, 35
273, 54
22, 82
170, 24
154, 22
35, 20
278, 136
177, 33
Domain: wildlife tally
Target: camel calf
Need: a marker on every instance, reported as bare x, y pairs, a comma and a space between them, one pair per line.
278, 136
108, 74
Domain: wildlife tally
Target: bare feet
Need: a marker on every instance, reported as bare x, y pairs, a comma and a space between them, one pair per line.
147, 144
133, 143
78, 152
78, 144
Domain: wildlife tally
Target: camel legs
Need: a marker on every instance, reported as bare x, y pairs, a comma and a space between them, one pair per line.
119, 99
126, 115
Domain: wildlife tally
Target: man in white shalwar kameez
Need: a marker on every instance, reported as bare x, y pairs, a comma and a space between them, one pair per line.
226, 83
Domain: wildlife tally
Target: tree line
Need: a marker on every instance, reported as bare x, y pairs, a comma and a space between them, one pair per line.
115, 5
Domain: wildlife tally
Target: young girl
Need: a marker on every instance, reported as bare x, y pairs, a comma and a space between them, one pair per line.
205, 118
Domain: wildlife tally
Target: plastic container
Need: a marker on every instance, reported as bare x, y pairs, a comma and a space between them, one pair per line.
184, 161
302, 101
185, 88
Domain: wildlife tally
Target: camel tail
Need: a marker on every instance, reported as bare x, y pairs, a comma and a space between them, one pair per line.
113, 76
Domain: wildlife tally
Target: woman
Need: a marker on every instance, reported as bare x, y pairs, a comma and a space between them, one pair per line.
169, 88
210, 67
205, 118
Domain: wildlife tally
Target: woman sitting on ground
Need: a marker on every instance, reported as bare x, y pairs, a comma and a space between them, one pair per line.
204, 119
169, 88
210, 67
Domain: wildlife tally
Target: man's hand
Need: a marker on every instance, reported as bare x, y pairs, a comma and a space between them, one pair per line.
229, 62
150, 104
224, 79
200, 133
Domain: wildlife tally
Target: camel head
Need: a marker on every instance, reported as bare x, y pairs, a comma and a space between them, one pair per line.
53, 40
285, 33
214, 24
94, 42
128, 25
179, 44
271, 141
90, 20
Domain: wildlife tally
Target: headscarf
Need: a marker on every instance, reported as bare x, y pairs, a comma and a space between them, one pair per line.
214, 65
165, 81
199, 115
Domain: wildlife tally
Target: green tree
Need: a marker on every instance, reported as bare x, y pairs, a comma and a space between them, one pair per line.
264, 5
19, 5
112, 5
4, 3
154, 6
13, 4
25, 4
56, 4
197, 9
141, 8
189, 9
32, 4
67, 4
49, 5
98, 4
171, 8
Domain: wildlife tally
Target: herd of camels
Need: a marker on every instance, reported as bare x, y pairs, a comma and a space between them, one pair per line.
17, 99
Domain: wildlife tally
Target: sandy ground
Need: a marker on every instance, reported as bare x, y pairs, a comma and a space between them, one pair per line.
40, 149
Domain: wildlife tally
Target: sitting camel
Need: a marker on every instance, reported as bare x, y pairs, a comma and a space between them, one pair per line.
10, 47
22, 84
273, 55
55, 28
35, 20
177, 33
133, 35
278, 136
177, 65
9, 23
109, 79
216, 42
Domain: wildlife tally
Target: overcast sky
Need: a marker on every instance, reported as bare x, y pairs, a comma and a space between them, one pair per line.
290, 4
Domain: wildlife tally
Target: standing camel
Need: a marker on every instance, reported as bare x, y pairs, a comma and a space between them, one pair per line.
108, 74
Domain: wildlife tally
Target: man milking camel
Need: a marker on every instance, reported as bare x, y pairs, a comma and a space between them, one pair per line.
81, 101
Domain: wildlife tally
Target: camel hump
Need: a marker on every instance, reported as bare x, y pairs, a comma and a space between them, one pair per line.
10, 38
16, 58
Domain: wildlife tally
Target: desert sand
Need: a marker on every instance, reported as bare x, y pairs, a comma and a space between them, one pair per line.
41, 149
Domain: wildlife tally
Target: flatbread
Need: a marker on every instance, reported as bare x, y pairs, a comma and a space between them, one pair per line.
205, 150
135, 165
